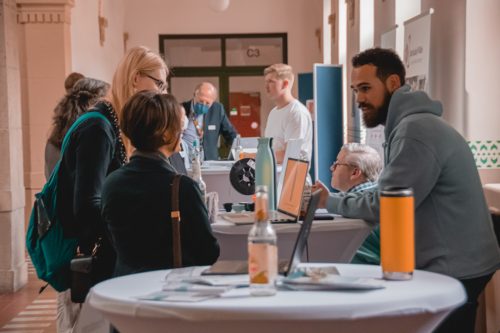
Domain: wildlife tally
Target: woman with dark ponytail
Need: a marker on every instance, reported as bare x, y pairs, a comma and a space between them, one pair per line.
84, 94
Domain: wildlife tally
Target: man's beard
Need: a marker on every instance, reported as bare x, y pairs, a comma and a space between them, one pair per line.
373, 117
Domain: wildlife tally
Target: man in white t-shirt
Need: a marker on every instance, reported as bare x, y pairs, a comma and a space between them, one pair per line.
289, 119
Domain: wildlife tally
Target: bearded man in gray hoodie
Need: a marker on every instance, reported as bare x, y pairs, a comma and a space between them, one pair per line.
453, 229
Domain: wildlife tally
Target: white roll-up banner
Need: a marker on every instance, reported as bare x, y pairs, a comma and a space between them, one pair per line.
417, 44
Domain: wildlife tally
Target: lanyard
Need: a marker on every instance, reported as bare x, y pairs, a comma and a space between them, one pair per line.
198, 127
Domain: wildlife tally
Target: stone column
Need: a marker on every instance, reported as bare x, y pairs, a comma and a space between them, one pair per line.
13, 268
45, 53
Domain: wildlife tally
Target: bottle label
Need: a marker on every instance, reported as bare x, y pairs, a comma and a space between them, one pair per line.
262, 262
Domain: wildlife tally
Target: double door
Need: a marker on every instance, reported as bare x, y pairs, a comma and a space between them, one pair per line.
234, 64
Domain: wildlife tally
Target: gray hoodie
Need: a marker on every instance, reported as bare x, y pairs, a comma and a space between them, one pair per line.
453, 229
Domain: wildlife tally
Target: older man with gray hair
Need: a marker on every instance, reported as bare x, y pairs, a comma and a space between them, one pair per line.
207, 120
357, 169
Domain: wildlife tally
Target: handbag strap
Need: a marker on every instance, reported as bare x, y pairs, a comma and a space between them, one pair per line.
176, 223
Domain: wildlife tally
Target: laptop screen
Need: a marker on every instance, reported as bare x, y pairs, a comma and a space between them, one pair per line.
305, 228
293, 186
222, 267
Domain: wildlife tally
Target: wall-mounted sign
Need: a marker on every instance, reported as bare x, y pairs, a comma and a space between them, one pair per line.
253, 52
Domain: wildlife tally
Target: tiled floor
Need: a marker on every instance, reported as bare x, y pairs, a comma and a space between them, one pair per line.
27, 311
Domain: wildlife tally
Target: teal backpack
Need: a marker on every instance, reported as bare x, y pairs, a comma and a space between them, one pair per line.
50, 252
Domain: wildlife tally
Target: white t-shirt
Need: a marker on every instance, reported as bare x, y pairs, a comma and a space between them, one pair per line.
290, 122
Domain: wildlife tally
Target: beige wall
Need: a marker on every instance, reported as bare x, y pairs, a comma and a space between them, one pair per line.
385, 18
89, 57
447, 62
146, 19
482, 70
45, 60
352, 30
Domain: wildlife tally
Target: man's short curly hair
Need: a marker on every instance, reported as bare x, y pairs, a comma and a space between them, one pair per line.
386, 61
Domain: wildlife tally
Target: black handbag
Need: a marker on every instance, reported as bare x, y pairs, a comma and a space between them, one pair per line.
83, 267
83, 274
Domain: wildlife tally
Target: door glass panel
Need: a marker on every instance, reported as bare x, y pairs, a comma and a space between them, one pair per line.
254, 51
193, 52
183, 87
249, 105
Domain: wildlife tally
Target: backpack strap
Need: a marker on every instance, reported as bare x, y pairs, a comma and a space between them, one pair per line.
48, 193
175, 215
78, 121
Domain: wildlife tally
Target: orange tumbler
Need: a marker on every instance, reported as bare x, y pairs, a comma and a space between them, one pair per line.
397, 233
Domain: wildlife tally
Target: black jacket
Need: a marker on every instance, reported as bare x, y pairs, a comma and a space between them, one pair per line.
89, 157
219, 125
136, 201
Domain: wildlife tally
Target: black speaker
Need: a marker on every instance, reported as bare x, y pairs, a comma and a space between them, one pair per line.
242, 176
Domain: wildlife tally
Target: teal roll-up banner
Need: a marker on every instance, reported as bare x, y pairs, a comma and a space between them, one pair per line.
306, 93
328, 125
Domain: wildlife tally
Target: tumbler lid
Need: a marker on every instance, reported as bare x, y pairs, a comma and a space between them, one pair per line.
394, 191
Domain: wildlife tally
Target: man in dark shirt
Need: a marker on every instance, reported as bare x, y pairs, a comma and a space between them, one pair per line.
207, 120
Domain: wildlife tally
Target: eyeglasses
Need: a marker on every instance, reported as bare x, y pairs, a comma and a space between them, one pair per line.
159, 83
337, 163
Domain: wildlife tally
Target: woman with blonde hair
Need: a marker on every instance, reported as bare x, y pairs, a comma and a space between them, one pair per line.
140, 69
95, 149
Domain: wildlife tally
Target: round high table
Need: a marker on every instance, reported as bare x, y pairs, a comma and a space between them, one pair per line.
418, 305
329, 241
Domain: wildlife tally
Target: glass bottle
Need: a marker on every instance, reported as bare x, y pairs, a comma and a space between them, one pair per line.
262, 249
265, 169
196, 170
201, 152
238, 150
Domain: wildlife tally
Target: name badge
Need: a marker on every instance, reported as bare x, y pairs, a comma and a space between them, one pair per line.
211, 127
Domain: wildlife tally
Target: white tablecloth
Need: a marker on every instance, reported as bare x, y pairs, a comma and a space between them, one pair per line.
492, 291
329, 241
492, 195
410, 306
216, 177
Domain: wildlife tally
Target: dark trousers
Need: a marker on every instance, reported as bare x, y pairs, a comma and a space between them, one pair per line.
463, 319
